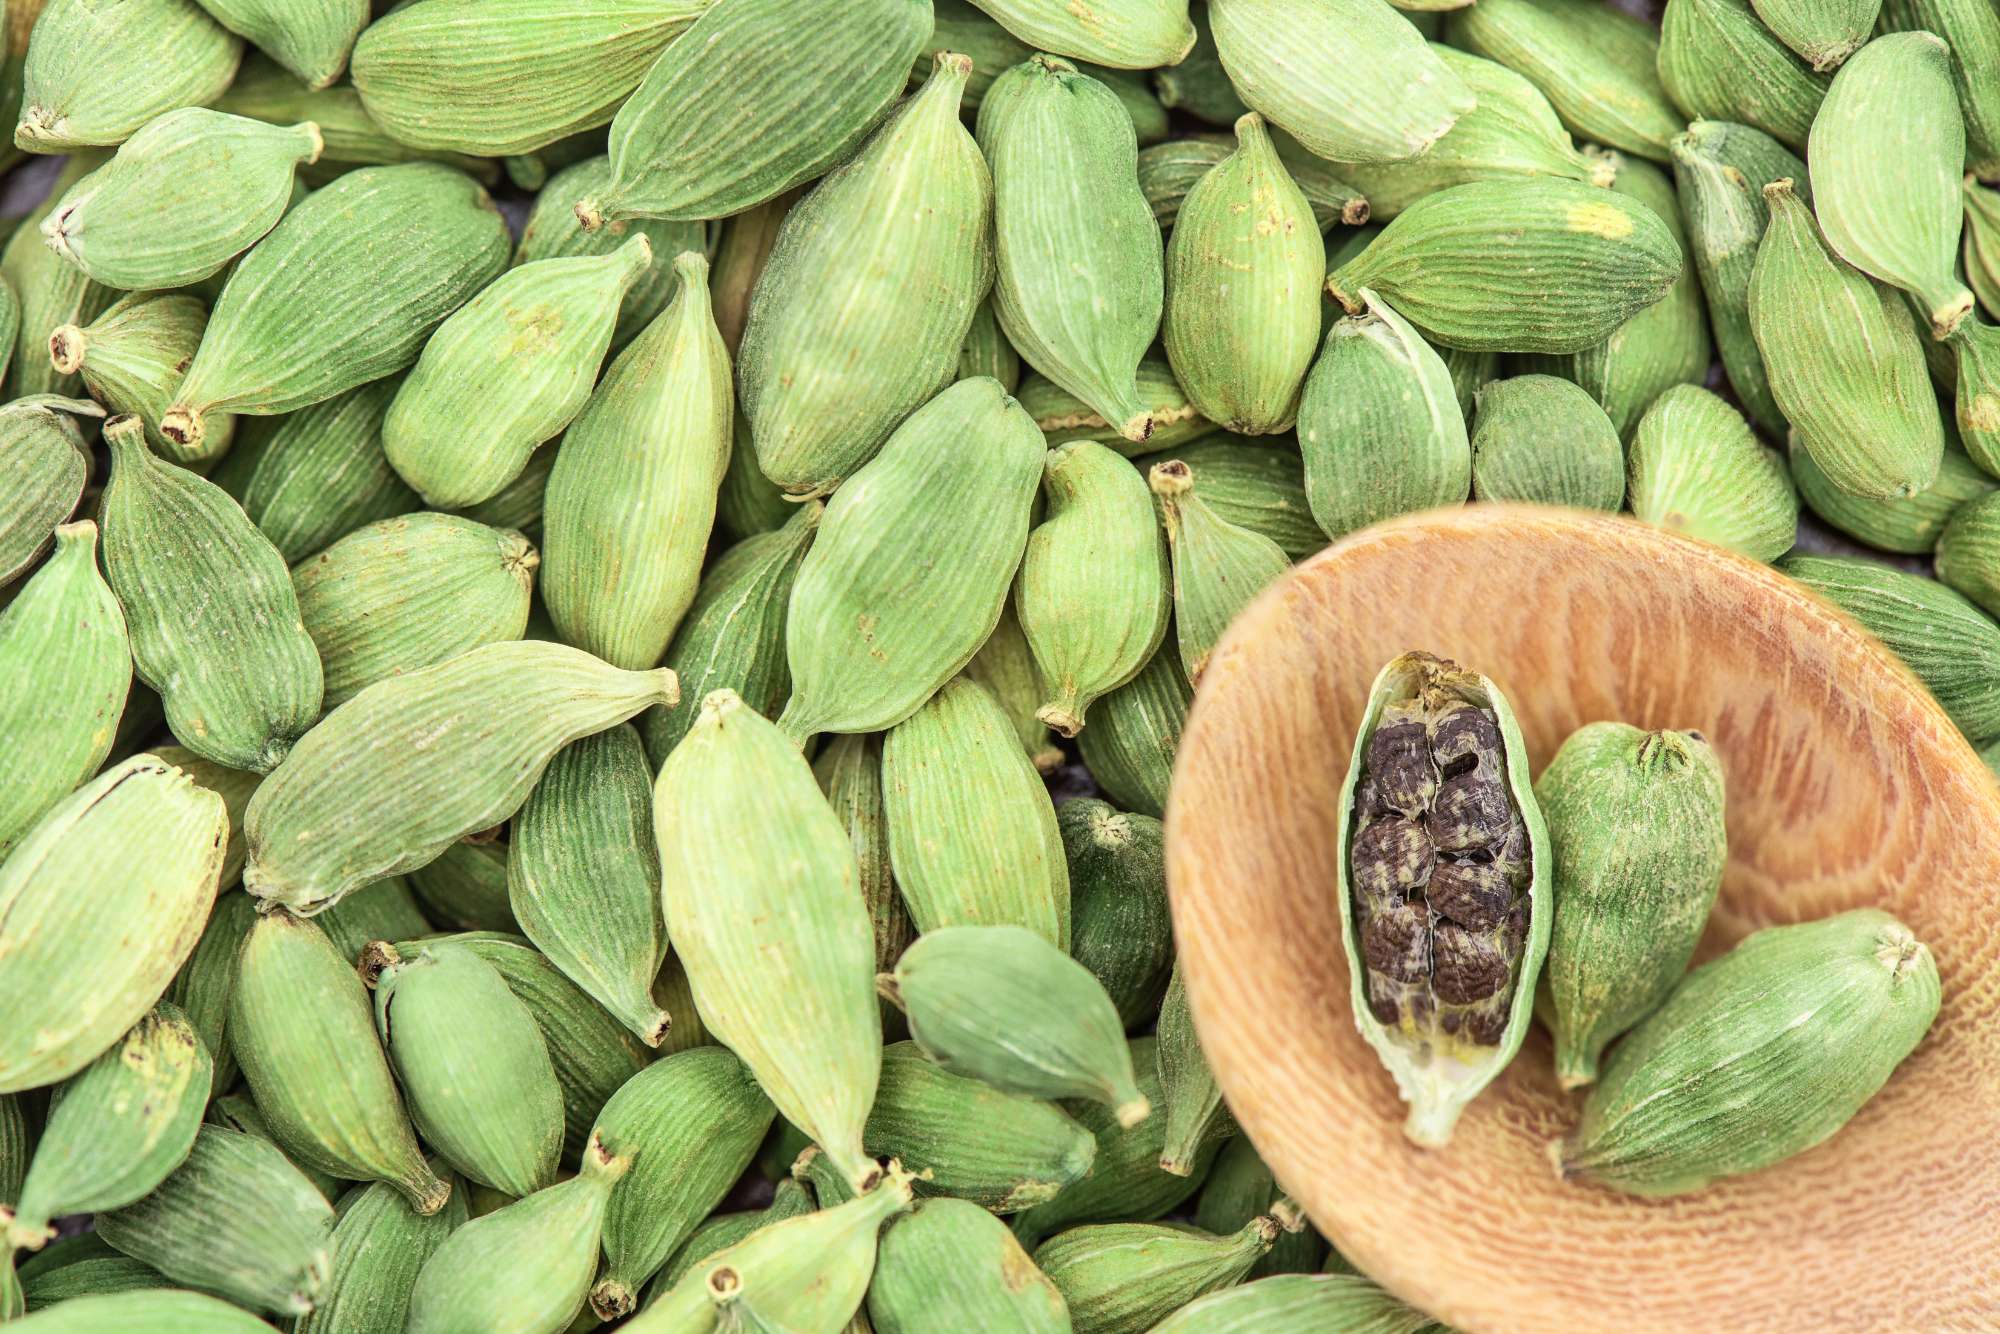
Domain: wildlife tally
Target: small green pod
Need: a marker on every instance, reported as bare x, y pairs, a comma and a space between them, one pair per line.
1581, 262
65, 669
1636, 834
1972, 31
117, 1128
1124, 1278
1243, 270
238, 1111
131, 358
268, 348
1168, 171
474, 1064
691, 1124
236, 1219
384, 910
948, 1264
446, 74
1823, 32
404, 593
986, 351
958, 26
465, 888
380, 1245
1120, 929
312, 477
1063, 417
1218, 567
311, 38
1695, 467
1239, 1188
1130, 749
866, 300
713, 86
1968, 557
1911, 525
526, 1266
1951, 645
1121, 34
1545, 441
1982, 243
773, 931
46, 466
50, 293
913, 563
131, 855
583, 876
1005, 665
205, 984
301, 1028
1887, 152
148, 1311
1719, 62
95, 1276
77, 88
224, 180
505, 373
214, 619
1257, 484
1198, 85
789, 1200
1299, 1301
1061, 1037
234, 786
1757, 1055
1597, 65
1191, 1103
1844, 359
631, 500
337, 815
849, 770
748, 502
1976, 348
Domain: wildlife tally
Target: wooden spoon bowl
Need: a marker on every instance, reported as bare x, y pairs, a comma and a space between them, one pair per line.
1846, 786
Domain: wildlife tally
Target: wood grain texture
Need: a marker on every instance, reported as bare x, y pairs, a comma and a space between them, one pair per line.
1846, 786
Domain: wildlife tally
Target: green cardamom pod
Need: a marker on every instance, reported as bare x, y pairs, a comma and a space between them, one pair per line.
77, 85
225, 180
913, 563
337, 814
531, 169
380, 1245
384, 910
264, 90
300, 1025
205, 986
98, 1276
790, 1200
1823, 32
50, 292
1972, 31
1581, 262
1199, 85
957, 26
1168, 171
527, 1265
235, 1219
506, 372
1218, 567
214, 620
132, 855
1720, 171
849, 771
149, 1311
987, 352
1546, 441
266, 349
1061, 1037
1844, 359
46, 466
1005, 665
310, 38
1638, 847
742, 249
1968, 558
1080, 283
1130, 749
691, 1124
465, 889
1697, 468
65, 668
714, 84
869, 292
1195, 1114
1756, 1056
234, 786
1719, 62
1239, 1188
1122, 34
1063, 417
1119, 1277
1887, 151
1444, 879
1910, 525
10, 321
1350, 80
1949, 643
761, 925
748, 502
631, 500
949, 1264
132, 357
238, 1111
1299, 1301
1121, 930
1254, 483
117, 1128
1976, 347
1982, 243
1596, 65
446, 74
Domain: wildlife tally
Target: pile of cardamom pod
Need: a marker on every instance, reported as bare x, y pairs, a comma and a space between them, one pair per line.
555, 556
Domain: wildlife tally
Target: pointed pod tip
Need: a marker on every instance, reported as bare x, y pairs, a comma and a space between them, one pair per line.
1062, 717
79, 531
124, 433
717, 705
589, 214
1171, 478
1132, 1111
66, 346
315, 141
1356, 211
611, 1299
669, 685
427, 1193
953, 65
691, 266
183, 425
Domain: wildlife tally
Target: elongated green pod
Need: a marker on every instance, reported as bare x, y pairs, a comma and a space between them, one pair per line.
1823, 32
1911, 525
1130, 749
790, 1200
117, 1128
1843, 358
1080, 283
17, 1146
475, 731
268, 348
214, 620
235, 1218
1972, 31
1198, 84
131, 855
1237, 1189
132, 357
311, 38
1005, 665
10, 324
264, 90
1545, 441
948, 1264
1122, 1277
1218, 567
238, 1111
773, 931
869, 293
913, 562
525, 1266
1444, 879
748, 502
51, 293
1975, 346
1966, 553
301, 1028
1121, 34
849, 770
65, 669
405, 593
691, 1124
45, 468
1756, 1056
1064, 417
1191, 1103
446, 74
380, 1245
95, 1276
1982, 243
465, 888
145, 1312
1257, 484
1719, 62
1346, 1302
205, 984
715, 85
77, 87
383, 910
1694, 466
631, 500
1121, 930
1887, 151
